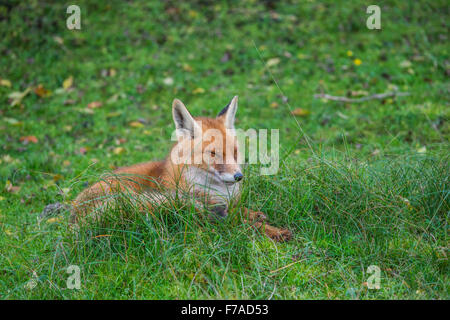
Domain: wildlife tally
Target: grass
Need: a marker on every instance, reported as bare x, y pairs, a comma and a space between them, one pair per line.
370, 188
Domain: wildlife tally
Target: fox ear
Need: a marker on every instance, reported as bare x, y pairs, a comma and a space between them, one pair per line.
229, 113
184, 123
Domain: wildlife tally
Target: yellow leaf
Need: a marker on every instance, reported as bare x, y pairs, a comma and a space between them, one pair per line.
274, 105
301, 112
94, 104
187, 67
136, 124
198, 90
5, 83
119, 150
405, 64
41, 91
68, 83
16, 97
273, 62
422, 150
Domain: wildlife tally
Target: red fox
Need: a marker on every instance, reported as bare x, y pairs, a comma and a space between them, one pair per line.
207, 169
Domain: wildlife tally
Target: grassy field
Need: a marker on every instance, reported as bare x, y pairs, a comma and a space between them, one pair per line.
359, 184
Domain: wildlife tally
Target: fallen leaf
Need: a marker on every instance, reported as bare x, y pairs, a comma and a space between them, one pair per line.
301, 112
422, 150
274, 105
272, 62
94, 104
136, 124
17, 97
405, 64
5, 83
28, 139
58, 177
82, 150
69, 102
198, 90
187, 67
58, 40
41, 91
168, 81
112, 99
13, 121
68, 83
10, 188
119, 150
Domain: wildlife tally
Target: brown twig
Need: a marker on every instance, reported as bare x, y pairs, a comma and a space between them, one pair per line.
359, 100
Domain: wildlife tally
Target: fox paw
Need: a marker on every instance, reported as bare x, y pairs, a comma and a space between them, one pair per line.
259, 216
256, 216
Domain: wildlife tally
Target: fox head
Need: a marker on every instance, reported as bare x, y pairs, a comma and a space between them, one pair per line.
208, 144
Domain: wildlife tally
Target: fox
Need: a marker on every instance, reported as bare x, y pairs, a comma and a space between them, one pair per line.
207, 170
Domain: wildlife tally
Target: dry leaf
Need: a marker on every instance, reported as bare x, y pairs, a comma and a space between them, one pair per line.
94, 104
168, 81
68, 83
301, 112
5, 83
28, 139
198, 90
10, 188
187, 67
136, 124
272, 62
17, 97
422, 150
405, 64
41, 91
119, 150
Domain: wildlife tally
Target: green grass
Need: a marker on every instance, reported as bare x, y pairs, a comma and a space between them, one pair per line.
370, 188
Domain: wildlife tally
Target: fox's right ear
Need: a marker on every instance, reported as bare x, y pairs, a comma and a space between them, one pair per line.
184, 123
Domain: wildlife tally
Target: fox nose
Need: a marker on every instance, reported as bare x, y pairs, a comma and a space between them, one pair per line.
238, 176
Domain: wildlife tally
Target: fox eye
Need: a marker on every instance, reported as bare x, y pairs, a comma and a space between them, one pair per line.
213, 153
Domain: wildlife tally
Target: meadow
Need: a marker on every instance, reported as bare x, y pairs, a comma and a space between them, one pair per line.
362, 181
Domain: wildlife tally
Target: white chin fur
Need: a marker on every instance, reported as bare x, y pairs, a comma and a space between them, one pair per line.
227, 178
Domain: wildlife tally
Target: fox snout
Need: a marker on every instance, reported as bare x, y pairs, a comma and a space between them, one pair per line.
238, 176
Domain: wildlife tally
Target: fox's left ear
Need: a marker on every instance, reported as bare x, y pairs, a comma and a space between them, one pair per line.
229, 113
